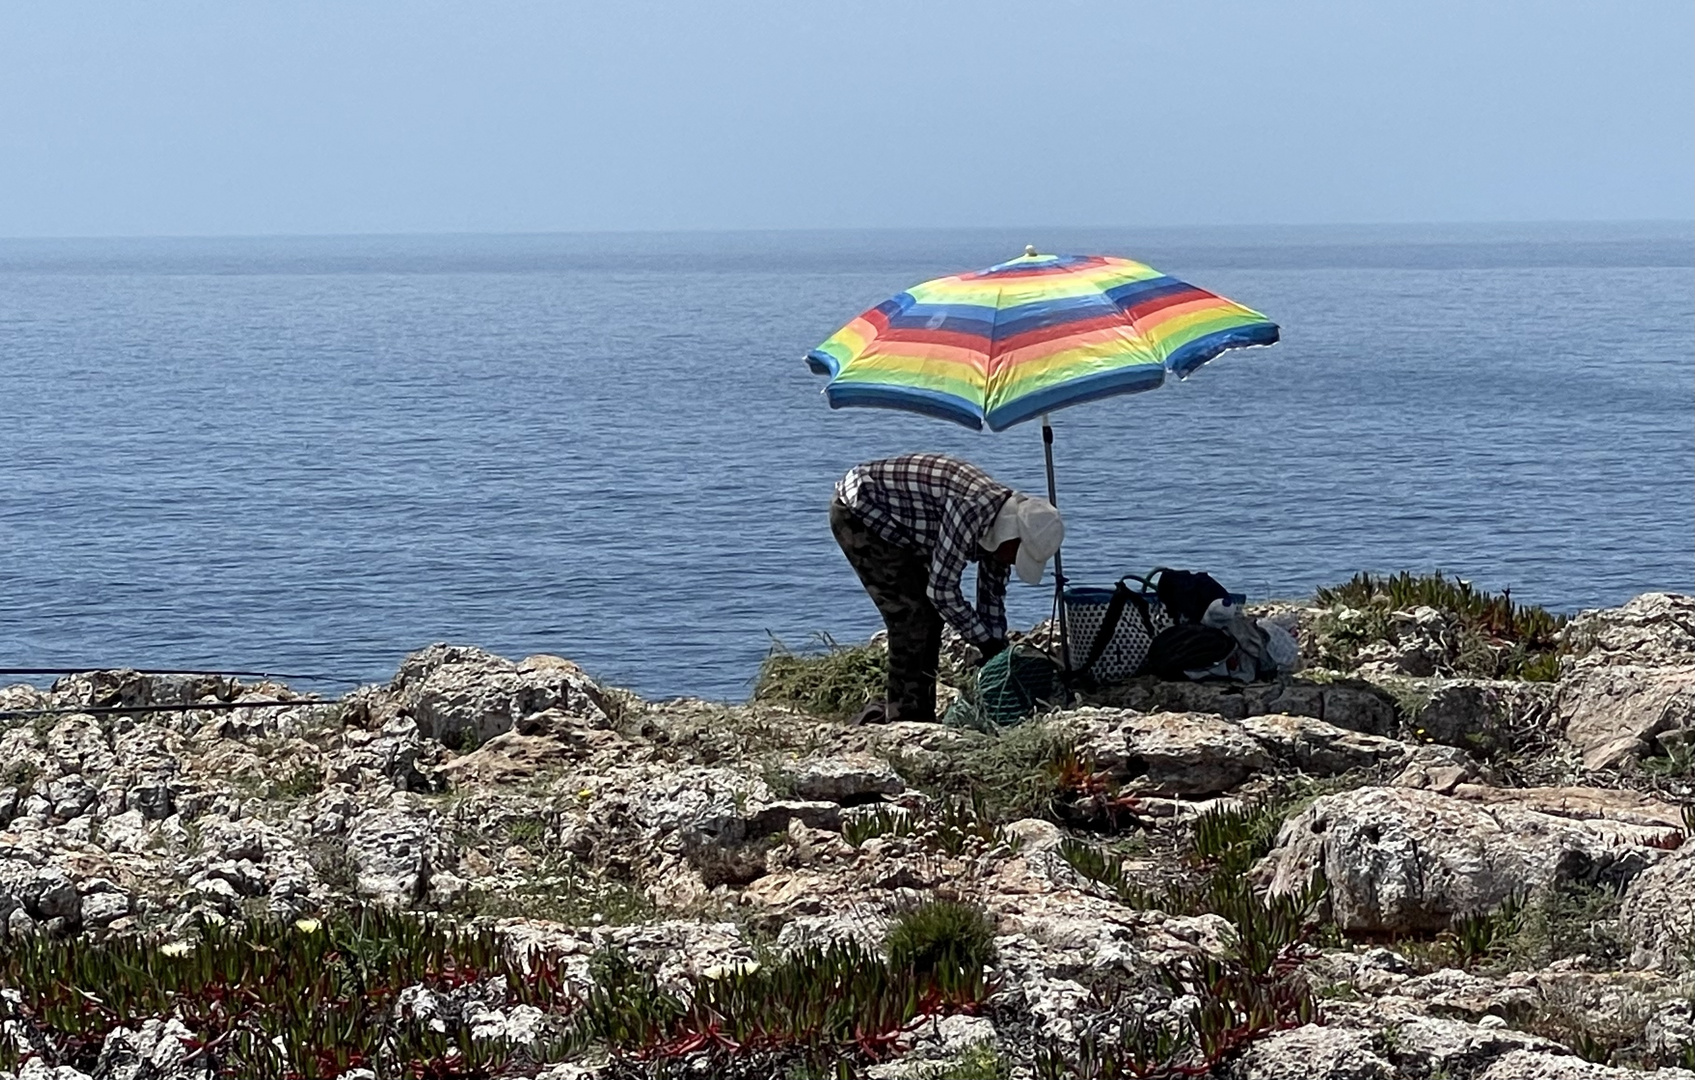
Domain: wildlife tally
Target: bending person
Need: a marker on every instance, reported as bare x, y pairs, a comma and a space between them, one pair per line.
909, 526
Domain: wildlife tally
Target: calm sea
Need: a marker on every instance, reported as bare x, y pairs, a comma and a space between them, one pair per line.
318, 454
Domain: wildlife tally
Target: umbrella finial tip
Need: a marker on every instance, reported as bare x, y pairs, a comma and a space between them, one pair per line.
1029, 249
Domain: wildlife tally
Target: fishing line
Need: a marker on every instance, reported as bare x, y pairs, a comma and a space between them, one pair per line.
175, 671
121, 710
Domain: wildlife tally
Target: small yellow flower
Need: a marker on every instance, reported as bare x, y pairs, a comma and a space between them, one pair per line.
176, 948
724, 971
586, 793
308, 926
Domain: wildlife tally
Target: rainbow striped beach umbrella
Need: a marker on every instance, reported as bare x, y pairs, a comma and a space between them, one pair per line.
1030, 336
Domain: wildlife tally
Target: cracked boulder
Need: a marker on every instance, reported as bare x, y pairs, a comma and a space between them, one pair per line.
1204, 754
461, 694
1314, 1051
1658, 913
1616, 713
1404, 860
392, 851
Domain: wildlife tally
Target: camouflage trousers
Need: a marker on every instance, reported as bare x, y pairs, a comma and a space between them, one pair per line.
897, 579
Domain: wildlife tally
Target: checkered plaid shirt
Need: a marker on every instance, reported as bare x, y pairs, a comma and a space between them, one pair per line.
943, 506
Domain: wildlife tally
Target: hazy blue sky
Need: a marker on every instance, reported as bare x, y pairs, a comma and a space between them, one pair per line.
169, 117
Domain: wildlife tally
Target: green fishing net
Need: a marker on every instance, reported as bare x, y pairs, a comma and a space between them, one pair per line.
1011, 687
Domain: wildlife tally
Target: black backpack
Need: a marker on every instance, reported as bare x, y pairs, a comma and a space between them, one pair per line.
1186, 594
1187, 647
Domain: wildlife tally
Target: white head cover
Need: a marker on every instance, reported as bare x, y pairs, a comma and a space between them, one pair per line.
1036, 525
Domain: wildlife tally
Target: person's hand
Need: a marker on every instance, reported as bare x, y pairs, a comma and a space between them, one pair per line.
991, 649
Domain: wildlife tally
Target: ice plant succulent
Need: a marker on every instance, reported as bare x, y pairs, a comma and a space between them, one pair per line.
271, 999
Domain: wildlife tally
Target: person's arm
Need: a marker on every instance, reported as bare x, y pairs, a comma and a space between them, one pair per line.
992, 578
957, 538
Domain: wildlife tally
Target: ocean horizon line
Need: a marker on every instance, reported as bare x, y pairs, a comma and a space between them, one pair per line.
1465, 224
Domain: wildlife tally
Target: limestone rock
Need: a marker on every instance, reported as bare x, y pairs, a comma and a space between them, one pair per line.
1452, 992
846, 778
1615, 713
1530, 1065
1035, 835
936, 1042
115, 825
1168, 753
1654, 629
1470, 712
127, 687
99, 909
1420, 1043
1400, 859
393, 851
1670, 1032
1313, 1051
1421, 641
158, 1049
1662, 821
864, 928
36, 1069
508, 758
1439, 768
38, 893
1355, 706
1319, 748
1204, 754
1658, 913
458, 692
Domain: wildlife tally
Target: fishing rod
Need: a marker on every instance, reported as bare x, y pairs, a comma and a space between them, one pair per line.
123, 710
175, 671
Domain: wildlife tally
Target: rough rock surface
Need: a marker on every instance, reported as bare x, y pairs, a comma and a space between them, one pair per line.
1527, 1065
698, 837
1653, 630
1617, 713
1401, 859
1312, 1051
456, 692
845, 779
1204, 754
1356, 707
1658, 912
1630, 692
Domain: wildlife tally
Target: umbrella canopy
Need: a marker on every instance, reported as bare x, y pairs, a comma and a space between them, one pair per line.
1029, 336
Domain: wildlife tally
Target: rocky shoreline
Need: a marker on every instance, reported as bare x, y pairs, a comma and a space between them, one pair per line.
1384, 866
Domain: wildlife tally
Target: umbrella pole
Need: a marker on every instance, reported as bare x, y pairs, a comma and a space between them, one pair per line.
1058, 566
